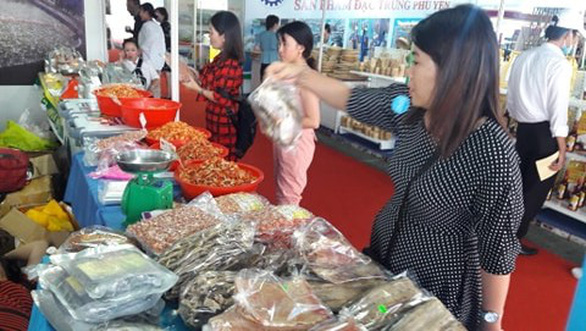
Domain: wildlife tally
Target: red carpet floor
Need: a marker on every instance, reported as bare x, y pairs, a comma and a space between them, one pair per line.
348, 193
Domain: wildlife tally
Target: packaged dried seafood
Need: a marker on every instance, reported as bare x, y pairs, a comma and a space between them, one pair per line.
101, 152
161, 232
116, 272
329, 255
238, 203
278, 110
72, 296
276, 224
382, 304
273, 302
339, 323
336, 296
223, 247
430, 315
205, 296
94, 236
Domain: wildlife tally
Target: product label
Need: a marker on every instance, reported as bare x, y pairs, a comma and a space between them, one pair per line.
291, 212
112, 266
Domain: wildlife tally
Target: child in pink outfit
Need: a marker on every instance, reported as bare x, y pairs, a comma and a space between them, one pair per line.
291, 164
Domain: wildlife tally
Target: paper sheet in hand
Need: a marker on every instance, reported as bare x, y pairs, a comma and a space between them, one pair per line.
543, 166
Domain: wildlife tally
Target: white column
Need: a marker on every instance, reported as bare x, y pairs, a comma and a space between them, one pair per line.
500, 18
174, 10
321, 38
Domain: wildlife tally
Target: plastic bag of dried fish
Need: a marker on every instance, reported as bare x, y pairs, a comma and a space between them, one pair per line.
94, 236
278, 110
339, 323
160, 233
101, 152
276, 224
275, 302
242, 202
223, 247
383, 304
430, 315
329, 255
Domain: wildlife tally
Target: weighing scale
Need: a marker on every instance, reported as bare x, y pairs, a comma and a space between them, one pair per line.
145, 192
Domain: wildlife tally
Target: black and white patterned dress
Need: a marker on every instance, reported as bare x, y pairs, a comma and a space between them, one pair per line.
461, 215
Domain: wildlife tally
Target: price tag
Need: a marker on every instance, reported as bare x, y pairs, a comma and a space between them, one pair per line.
142, 119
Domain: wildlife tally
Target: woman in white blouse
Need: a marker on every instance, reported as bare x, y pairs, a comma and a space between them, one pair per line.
151, 38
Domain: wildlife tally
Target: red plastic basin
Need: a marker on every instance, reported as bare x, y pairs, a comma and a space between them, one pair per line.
157, 112
190, 191
109, 107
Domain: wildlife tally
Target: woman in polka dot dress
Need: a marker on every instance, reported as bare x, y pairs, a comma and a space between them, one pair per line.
458, 192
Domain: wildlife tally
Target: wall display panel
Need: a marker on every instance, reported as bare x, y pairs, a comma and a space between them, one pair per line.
31, 29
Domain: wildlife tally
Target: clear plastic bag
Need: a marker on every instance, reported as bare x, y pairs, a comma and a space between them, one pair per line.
205, 296
110, 192
274, 302
101, 152
278, 110
330, 256
112, 173
223, 247
72, 296
94, 236
243, 202
122, 272
276, 224
339, 323
428, 313
161, 232
336, 296
381, 305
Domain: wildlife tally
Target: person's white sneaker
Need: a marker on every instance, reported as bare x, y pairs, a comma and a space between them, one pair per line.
577, 272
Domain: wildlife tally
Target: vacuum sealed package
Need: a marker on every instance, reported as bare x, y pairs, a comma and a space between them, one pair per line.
382, 305
116, 272
276, 224
339, 323
94, 236
430, 314
336, 296
242, 202
72, 295
267, 302
329, 255
278, 110
223, 247
205, 296
161, 232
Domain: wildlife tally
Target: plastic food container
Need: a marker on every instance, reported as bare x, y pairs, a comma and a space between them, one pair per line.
157, 112
190, 191
109, 107
179, 143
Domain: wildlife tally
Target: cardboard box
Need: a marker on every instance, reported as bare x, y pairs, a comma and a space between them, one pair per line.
26, 230
44, 165
37, 192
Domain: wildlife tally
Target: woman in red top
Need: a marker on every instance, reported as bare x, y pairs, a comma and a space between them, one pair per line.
224, 73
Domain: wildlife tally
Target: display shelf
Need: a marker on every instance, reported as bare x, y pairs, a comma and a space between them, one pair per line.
402, 80
560, 207
383, 144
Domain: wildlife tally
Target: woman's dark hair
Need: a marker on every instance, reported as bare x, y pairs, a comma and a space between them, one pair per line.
227, 24
554, 32
302, 34
130, 41
148, 7
163, 12
271, 21
328, 28
462, 43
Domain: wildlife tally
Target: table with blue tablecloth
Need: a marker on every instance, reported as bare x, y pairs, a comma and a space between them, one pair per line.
82, 194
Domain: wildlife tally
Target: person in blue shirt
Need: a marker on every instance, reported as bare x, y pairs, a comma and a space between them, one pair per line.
268, 44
